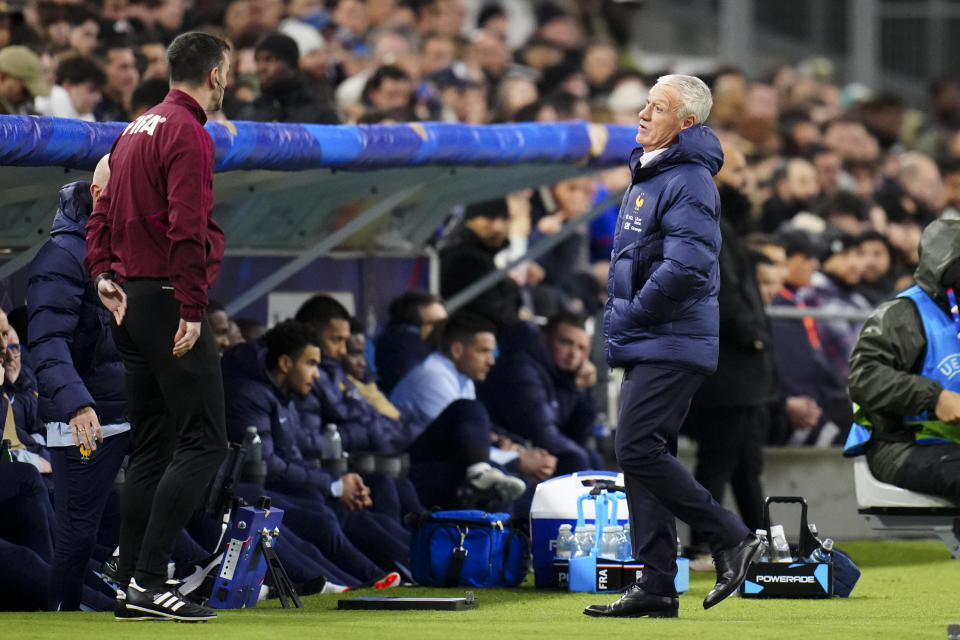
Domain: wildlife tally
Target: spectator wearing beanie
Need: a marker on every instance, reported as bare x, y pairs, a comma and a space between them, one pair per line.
285, 93
466, 255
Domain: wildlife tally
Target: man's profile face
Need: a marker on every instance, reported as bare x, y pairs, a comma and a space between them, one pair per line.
659, 124
11, 355
474, 359
355, 362
333, 338
304, 372
569, 346
5, 331
220, 324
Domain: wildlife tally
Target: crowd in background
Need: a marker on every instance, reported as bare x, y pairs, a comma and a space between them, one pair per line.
832, 164
825, 190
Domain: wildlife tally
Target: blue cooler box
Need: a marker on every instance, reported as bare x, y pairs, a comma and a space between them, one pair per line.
555, 503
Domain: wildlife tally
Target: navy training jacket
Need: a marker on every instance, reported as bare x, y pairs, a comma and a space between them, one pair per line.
529, 396
664, 274
75, 360
335, 399
252, 398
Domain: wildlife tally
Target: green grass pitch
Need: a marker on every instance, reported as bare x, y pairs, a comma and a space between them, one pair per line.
907, 590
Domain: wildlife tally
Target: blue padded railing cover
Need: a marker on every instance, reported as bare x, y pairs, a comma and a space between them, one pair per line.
29, 141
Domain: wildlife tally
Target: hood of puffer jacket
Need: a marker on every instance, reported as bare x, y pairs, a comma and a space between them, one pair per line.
76, 203
939, 248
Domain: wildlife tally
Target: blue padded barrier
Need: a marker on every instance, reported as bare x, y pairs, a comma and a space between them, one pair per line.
39, 141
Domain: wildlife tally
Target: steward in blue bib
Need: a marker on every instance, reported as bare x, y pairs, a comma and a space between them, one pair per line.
905, 373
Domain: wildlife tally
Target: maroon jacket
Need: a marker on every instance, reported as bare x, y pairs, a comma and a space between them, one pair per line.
153, 219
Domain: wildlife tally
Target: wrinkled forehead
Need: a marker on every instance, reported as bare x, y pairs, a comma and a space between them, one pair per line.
665, 94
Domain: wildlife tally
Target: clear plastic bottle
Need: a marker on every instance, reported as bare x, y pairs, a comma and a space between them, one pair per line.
779, 549
254, 468
823, 553
584, 538
626, 549
609, 542
813, 531
332, 444
765, 542
565, 542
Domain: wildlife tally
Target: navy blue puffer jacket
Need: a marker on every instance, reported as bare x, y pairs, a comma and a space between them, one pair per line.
664, 278
75, 360
253, 399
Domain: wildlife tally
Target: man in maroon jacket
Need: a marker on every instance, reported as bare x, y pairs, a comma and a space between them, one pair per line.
154, 251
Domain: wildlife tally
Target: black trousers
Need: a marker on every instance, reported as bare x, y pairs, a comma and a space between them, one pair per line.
178, 431
440, 456
653, 403
81, 490
730, 451
933, 469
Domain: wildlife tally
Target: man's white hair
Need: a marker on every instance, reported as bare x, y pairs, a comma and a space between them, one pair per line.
694, 93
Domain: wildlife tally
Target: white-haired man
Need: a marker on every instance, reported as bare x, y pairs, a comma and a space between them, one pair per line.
80, 384
661, 325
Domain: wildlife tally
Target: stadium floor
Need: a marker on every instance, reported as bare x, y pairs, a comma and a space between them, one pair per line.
907, 590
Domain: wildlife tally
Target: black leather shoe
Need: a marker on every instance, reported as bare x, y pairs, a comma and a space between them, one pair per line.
732, 566
636, 603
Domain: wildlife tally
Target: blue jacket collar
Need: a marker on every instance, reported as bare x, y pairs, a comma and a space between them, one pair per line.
697, 144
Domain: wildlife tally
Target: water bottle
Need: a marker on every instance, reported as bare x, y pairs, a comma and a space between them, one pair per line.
679, 548
813, 531
332, 445
626, 549
823, 553
590, 538
254, 468
610, 542
565, 542
584, 538
780, 550
764, 545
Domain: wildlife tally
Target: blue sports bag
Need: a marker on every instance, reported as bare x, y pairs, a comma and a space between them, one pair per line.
468, 548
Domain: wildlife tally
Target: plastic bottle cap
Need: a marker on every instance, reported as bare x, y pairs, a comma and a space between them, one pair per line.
610, 529
566, 527
776, 530
827, 545
590, 527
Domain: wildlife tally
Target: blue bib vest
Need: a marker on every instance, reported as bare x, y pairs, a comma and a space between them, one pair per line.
941, 363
